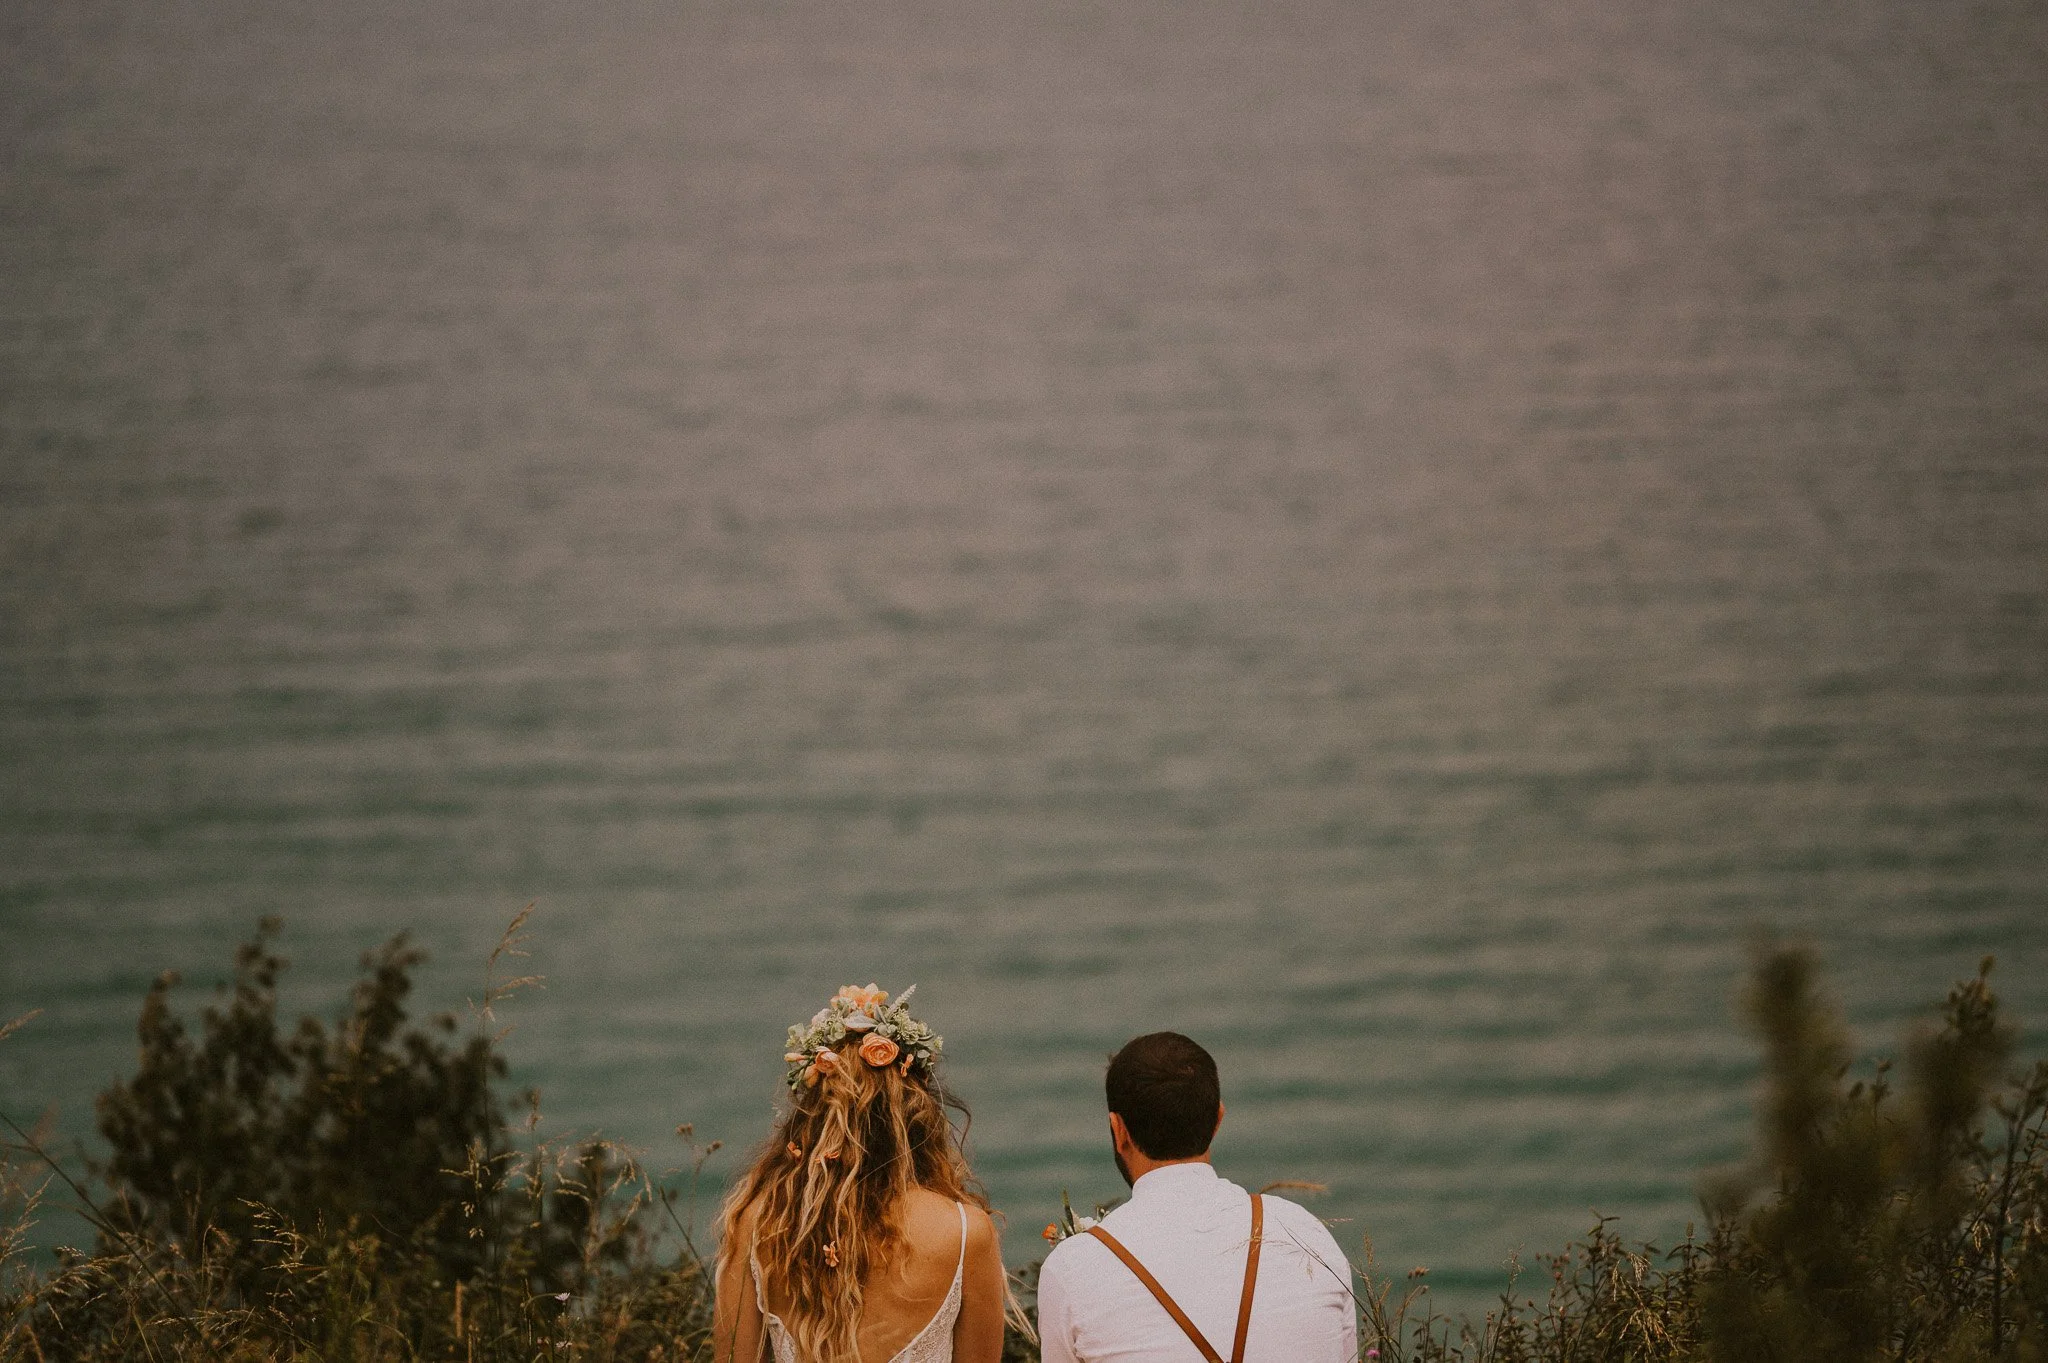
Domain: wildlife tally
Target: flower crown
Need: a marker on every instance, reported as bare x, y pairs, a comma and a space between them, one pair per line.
888, 1035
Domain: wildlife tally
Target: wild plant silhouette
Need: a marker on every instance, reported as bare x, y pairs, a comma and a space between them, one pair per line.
358, 1192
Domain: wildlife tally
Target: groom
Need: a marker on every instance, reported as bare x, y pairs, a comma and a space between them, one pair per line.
1179, 1272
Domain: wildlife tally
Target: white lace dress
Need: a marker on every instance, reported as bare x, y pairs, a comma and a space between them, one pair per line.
932, 1344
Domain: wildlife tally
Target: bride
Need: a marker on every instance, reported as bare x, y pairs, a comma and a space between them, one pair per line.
857, 1234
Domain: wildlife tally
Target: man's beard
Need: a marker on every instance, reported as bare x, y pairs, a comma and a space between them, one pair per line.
1122, 1168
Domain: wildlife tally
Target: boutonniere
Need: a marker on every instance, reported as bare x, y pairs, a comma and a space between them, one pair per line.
1069, 1224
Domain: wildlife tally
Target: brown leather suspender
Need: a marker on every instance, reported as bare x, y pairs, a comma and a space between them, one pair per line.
1180, 1317
1251, 1278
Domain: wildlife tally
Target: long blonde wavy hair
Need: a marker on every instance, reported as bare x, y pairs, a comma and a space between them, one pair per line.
822, 1194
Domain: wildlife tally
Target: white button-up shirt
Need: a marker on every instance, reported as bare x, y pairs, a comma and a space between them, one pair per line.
1191, 1229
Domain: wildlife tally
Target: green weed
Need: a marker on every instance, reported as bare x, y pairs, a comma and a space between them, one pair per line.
360, 1194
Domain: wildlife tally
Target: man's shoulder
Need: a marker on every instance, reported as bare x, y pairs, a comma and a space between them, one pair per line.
1291, 1224
1280, 1208
1071, 1255
1286, 1222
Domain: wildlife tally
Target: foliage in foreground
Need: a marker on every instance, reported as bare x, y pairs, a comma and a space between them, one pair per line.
358, 1194
354, 1194
1874, 1226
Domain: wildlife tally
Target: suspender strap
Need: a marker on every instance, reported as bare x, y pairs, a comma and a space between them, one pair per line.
1251, 1278
1180, 1317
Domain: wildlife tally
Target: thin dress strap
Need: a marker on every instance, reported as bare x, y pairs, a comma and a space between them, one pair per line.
938, 1328
773, 1333
934, 1343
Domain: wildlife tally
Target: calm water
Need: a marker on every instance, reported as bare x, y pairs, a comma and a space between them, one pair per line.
1387, 536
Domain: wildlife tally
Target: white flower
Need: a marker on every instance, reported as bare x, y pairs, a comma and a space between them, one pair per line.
858, 1022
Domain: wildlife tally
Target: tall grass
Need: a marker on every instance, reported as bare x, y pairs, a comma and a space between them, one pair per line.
1874, 1222
363, 1192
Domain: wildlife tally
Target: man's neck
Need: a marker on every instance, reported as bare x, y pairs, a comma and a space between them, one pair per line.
1134, 1163
1138, 1163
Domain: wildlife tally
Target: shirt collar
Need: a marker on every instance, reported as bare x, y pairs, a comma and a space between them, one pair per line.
1175, 1180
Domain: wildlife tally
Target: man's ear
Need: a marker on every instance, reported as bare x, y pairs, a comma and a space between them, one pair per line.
1119, 1134
1219, 1122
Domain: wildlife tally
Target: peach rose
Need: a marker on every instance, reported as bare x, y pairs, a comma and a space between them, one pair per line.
868, 999
1050, 1233
825, 1062
878, 1050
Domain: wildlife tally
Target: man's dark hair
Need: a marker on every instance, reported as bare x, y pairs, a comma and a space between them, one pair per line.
1164, 1087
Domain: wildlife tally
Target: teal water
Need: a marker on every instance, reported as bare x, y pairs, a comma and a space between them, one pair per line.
1390, 538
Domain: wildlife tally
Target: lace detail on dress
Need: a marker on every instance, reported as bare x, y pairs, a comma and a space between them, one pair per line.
932, 1344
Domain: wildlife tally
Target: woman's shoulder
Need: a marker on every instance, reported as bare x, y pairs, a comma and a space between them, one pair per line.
743, 1225
933, 1217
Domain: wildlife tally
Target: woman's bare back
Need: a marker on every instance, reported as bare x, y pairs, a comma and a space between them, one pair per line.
900, 1297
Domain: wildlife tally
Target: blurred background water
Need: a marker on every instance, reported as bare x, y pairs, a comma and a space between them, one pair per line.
1389, 536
